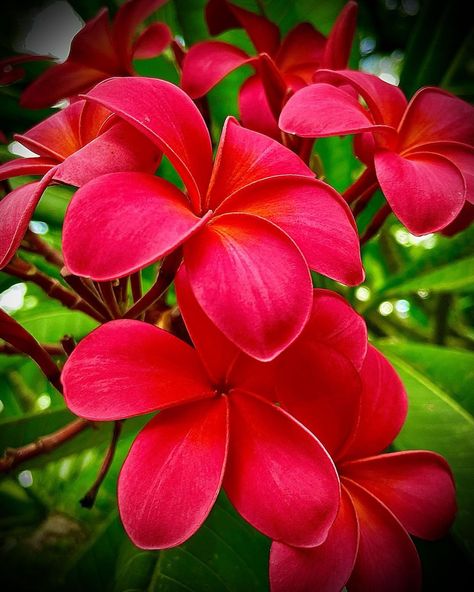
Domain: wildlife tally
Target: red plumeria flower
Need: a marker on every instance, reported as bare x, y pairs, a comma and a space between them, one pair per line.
73, 146
257, 219
420, 153
101, 50
214, 429
281, 66
384, 496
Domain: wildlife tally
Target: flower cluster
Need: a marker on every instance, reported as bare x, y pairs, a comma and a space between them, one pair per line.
270, 389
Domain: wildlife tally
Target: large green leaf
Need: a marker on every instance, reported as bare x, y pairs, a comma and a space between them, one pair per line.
225, 555
437, 422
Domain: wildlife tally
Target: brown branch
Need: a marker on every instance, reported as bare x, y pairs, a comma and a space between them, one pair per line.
29, 273
109, 298
86, 290
40, 246
136, 285
166, 275
10, 350
89, 499
15, 456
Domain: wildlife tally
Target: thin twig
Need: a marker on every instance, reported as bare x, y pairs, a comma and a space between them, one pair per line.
51, 349
360, 186
109, 298
86, 290
15, 456
136, 286
376, 223
44, 249
89, 499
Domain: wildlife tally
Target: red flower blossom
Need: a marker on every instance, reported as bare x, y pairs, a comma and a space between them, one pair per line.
384, 496
73, 146
281, 67
100, 50
216, 427
251, 226
420, 153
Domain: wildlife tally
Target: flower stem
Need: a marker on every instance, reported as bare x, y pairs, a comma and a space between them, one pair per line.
38, 245
367, 181
86, 290
89, 499
376, 223
15, 456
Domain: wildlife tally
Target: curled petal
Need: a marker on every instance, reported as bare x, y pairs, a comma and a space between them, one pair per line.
172, 475
119, 223
385, 101
301, 51
417, 486
169, 118
271, 305
126, 368
314, 215
339, 43
278, 476
207, 63
383, 406
386, 558
321, 110
255, 112
119, 148
16, 210
325, 568
245, 156
152, 42
434, 115
26, 166
321, 389
425, 191
336, 324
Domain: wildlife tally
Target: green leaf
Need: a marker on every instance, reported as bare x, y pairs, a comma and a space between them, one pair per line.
437, 422
225, 555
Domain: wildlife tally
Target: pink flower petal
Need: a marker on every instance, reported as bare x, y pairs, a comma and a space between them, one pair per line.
339, 43
222, 15
325, 568
119, 223
385, 101
322, 110
386, 559
335, 323
169, 118
16, 210
173, 473
425, 191
314, 215
126, 368
26, 166
417, 486
301, 51
321, 389
152, 42
119, 148
255, 112
278, 475
272, 303
435, 115
245, 156
383, 406
207, 63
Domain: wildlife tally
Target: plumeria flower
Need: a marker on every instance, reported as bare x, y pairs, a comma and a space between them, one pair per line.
281, 66
216, 428
420, 153
385, 496
73, 146
100, 50
251, 225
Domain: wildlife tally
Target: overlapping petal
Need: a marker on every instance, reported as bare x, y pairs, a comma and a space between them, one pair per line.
386, 558
301, 51
426, 191
169, 118
172, 475
255, 112
153, 41
279, 477
207, 63
251, 281
16, 209
339, 43
313, 214
121, 222
383, 406
325, 568
245, 156
26, 166
126, 368
417, 486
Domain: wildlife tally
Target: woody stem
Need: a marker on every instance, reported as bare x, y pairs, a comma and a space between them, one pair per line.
376, 223
367, 181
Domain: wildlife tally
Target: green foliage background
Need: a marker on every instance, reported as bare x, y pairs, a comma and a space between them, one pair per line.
48, 542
